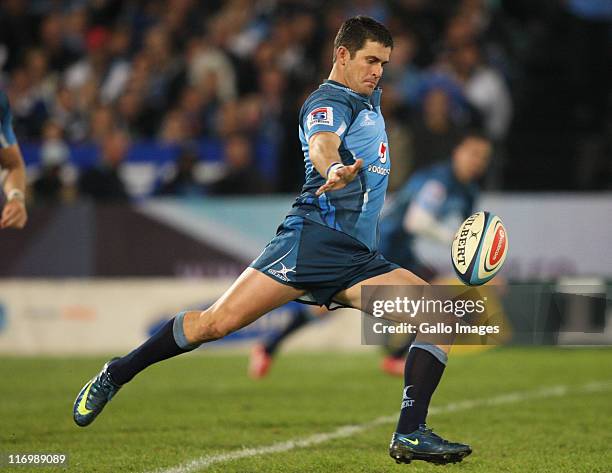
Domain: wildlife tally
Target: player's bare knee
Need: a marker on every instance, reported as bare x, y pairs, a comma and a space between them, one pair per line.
214, 324
205, 328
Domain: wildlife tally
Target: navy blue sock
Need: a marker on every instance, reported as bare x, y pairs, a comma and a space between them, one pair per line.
424, 367
299, 318
167, 342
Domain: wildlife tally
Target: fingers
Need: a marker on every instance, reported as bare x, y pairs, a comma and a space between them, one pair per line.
334, 179
326, 187
13, 216
17, 221
11, 221
341, 177
349, 172
330, 184
8, 215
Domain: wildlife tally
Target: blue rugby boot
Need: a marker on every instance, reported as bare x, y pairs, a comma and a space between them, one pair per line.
94, 396
423, 444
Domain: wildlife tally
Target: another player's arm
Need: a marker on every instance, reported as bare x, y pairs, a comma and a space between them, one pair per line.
324, 155
421, 222
420, 217
14, 214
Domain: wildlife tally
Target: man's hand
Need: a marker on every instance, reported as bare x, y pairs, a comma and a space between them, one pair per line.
14, 214
340, 177
326, 159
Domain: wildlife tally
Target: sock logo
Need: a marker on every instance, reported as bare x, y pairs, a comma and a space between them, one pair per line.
407, 401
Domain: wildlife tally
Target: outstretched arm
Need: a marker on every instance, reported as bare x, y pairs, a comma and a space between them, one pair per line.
326, 159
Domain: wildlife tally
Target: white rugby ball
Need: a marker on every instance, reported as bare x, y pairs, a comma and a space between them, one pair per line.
479, 248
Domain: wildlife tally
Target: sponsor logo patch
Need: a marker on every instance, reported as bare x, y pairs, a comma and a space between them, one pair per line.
498, 247
382, 152
320, 116
379, 170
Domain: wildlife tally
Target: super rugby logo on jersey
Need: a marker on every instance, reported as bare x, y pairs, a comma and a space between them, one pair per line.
321, 116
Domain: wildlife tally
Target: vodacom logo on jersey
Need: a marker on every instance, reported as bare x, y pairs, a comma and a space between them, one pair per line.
382, 152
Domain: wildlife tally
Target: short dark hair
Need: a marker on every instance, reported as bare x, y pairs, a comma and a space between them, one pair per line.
355, 31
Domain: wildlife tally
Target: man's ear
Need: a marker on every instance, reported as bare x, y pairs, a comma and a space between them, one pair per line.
342, 55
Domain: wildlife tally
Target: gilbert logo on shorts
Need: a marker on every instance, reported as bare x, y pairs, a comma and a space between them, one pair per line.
321, 116
282, 273
382, 152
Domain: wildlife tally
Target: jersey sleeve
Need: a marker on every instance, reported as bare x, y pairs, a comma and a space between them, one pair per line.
7, 135
326, 114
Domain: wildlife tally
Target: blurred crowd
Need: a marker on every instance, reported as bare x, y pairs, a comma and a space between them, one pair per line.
114, 73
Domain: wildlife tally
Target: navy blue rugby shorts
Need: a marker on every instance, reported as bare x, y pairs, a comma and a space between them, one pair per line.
318, 259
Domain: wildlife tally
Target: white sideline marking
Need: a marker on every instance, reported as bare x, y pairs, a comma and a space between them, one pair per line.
348, 430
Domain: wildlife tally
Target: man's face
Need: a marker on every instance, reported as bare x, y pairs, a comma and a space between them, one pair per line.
472, 158
363, 71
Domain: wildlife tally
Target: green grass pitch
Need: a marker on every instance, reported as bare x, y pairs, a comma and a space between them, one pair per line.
203, 405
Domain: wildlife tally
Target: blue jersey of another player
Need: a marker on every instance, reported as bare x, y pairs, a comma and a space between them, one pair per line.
358, 121
435, 190
7, 135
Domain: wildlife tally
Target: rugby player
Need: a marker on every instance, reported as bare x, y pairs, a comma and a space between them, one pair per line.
14, 214
324, 250
421, 209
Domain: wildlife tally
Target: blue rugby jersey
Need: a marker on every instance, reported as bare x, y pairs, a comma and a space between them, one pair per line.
436, 190
358, 121
7, 135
